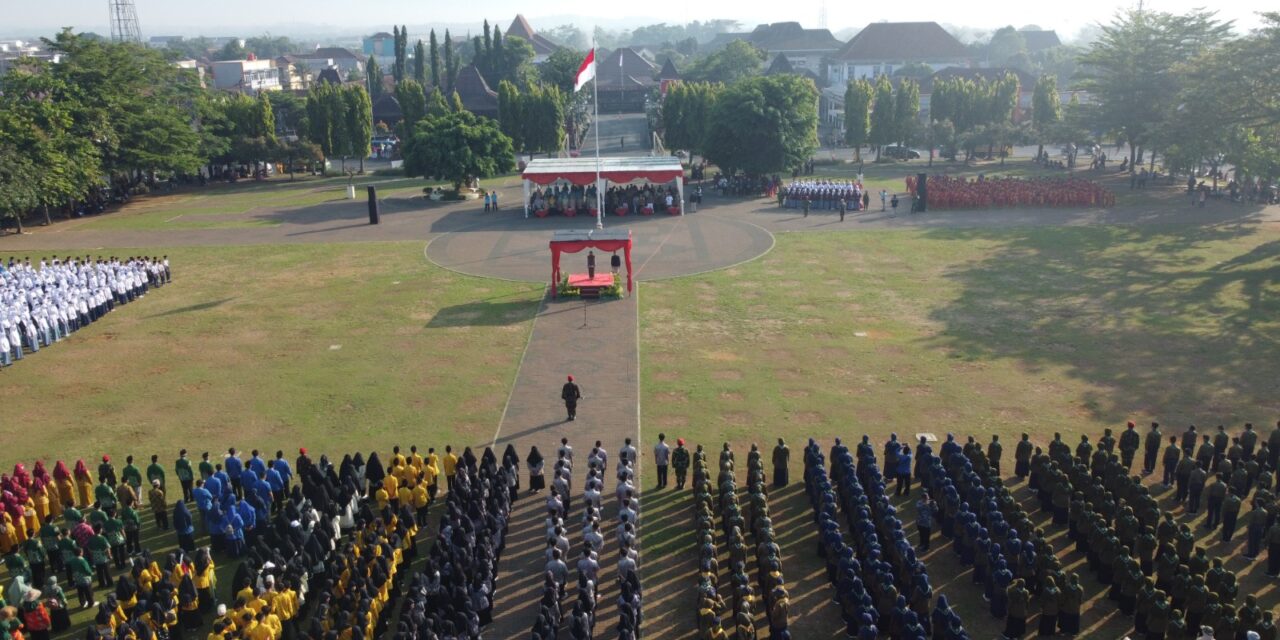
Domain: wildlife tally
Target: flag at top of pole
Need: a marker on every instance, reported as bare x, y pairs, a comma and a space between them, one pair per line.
586, 71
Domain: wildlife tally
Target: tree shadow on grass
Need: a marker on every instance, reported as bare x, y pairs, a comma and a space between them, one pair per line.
1173, 321
203, 306
485, 313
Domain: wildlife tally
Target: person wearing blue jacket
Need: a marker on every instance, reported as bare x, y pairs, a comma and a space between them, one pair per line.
235, 533
215, 521
234, 466
249, 518
903, 472
256, 464
184, 527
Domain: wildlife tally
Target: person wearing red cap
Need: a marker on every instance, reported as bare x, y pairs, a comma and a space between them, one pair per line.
570, 393
107, 472
680, 461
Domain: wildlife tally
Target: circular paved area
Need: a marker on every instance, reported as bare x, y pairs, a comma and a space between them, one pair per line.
663, 246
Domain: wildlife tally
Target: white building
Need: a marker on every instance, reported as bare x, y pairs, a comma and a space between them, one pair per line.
246, 76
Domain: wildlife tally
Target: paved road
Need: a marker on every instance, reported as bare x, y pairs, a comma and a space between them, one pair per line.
620, 134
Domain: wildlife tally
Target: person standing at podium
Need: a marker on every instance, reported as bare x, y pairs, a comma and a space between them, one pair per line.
591, 265
615, 263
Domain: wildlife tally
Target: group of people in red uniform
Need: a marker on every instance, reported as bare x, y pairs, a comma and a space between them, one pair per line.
949, 192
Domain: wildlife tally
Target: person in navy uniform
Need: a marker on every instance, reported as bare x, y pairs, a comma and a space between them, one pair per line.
591, 265
570, 393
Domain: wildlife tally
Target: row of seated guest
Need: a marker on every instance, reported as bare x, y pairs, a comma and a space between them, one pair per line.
637, 198
559, 198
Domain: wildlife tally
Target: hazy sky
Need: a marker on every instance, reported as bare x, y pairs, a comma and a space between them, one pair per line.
252, 17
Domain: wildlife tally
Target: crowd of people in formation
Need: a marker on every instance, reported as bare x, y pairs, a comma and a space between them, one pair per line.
320, 547
646, 198
950, 192
881, 584
824, 195
1148, 560
747, 186
769, 593
44, 303
452, 597
560, 555
558, 199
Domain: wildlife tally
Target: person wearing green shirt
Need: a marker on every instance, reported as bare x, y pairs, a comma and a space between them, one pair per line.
105, 496
155, 471
72, 516
206, 467
182, 468
81, 576
97, 518
67, 548
131, 473
49, 538
100, 556
33, 549
17, 564
114, 532
132, 527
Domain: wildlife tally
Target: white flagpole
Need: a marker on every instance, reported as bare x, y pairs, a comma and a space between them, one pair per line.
595, 126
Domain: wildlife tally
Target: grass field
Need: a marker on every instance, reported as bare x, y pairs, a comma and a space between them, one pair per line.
334, 347
976, 332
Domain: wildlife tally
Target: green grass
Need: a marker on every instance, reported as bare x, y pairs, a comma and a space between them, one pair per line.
1067, 329
334, 347
976, 332
246, 204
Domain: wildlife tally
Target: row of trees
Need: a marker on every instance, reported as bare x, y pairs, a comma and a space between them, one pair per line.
340, 121
758, 125
534, 118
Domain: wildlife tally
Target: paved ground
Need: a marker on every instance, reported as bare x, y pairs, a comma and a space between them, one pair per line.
596, 342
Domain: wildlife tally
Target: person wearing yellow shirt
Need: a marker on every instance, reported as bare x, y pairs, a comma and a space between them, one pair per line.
450, 466
415, 460
392, 485
430, 474
405, 494
227, 622
421, 503
382, 497
244, 595
256, 604
256, 630
219, 631
273, 622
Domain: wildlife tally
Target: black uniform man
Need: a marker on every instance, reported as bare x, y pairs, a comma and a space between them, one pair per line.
570, 393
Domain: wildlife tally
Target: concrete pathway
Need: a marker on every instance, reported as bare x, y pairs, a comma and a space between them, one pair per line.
596, 342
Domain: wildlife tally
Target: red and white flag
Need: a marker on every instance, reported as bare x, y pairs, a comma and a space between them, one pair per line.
586, 71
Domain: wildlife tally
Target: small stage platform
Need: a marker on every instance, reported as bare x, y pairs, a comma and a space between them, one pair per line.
591, 287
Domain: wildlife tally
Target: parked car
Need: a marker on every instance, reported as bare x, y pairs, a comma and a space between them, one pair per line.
899, 153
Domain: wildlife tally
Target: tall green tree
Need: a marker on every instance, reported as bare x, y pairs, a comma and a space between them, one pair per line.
420, 63
358, 112
400, 66
450, 64
373, 77
857, 114
1046, 108
413, 105
764, 125
18, 191
510, 117
435, 61
1132, 68
459, 147
737, 60
686, 113
906, 111
883, 122
561, 68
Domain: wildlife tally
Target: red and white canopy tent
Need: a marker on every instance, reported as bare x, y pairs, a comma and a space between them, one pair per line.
583, 171
575, 241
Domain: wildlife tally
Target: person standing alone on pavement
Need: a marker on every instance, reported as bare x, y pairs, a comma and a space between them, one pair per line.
662, 457
570, 393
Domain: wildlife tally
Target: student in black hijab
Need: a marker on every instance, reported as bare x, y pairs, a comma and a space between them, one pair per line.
537, 481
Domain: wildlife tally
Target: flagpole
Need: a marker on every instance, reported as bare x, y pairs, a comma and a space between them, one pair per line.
595, 126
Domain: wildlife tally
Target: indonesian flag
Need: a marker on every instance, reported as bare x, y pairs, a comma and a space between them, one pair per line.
586, 71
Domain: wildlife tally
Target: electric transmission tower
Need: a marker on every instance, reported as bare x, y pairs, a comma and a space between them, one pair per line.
124, 22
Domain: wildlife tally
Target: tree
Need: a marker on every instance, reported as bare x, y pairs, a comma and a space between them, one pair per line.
906, 111
1046, 108
358, 119
1006, 43
435, 103
1131, 68
737, 60
420, 63
857, 114
233, 50
509, 113
450, 64
18, 179
400, 70
455, 102
459, 147
917, 70
883, 129
686, 114
567, 36
435, 61
561, 68
373, 77
413, 105
266, 47
764, 125
542, 119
